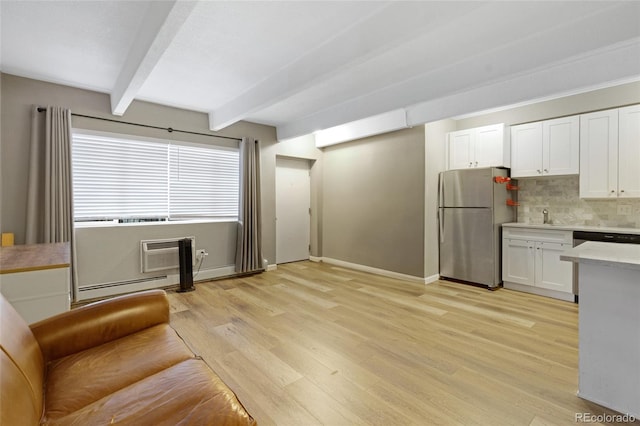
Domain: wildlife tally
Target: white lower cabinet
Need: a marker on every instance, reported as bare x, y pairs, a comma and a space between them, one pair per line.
39, 294
531, 261
551, 272
518, 261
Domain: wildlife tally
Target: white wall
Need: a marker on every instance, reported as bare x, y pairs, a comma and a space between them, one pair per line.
303, 148
610, 97
373, 202
435, 149
560, 195
1, 189
109, 255
114, 257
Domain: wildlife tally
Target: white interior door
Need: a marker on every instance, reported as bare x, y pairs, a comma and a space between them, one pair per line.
293, 202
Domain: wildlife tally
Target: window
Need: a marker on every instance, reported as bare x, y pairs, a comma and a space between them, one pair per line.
116, 178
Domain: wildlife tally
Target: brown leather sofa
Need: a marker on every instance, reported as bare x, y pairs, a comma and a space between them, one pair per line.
112, 362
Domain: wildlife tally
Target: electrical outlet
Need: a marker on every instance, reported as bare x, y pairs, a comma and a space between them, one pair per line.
624, 209
200, 253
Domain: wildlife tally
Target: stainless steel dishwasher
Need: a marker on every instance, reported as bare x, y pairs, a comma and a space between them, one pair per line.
580, 237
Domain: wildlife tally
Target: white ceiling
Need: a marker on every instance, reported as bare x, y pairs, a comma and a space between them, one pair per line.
303, 66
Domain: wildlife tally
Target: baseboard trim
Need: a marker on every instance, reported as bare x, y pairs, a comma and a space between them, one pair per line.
271, 267
315, 259
432, 279
98, 291
207, 274
568, 297
372, 270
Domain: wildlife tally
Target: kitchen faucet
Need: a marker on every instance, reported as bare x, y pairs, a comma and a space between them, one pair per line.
545, 216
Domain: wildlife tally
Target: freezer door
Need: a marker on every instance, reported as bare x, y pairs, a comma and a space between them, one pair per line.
468, 251
468, 188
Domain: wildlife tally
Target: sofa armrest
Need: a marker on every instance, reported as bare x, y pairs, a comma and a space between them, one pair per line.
100, 322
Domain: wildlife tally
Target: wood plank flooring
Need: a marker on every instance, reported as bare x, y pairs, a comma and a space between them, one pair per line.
314, 344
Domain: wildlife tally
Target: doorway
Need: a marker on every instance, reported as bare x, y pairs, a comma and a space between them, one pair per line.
293, 203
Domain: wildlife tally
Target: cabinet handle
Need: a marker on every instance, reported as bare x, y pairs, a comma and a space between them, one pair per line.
470, 164
539, 172
622, 190
546, 171
477, 166
613, 192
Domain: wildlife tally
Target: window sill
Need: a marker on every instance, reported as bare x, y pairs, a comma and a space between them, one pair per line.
114, 224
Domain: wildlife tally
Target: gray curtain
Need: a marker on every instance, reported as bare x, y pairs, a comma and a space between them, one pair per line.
49, 194
50, 197
249, 247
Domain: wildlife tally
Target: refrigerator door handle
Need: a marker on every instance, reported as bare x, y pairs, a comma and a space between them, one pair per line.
441, 204
440, 190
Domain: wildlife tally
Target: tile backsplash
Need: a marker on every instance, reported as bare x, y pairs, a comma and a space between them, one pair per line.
560, 196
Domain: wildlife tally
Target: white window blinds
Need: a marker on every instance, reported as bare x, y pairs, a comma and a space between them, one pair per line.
203, 182
119, 178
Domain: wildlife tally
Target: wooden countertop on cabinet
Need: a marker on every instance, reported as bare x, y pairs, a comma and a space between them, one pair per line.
34, 257
36, 279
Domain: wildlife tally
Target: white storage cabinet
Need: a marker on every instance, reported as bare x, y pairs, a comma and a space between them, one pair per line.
610, 153
546, 148
37, 295
531, 261
486, 146
36, 279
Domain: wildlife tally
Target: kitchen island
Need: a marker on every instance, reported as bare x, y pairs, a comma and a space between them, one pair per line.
609, 324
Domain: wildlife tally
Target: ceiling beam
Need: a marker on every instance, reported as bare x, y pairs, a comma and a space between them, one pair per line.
574, 65
584, 74
616, 65
157, 30
401, 22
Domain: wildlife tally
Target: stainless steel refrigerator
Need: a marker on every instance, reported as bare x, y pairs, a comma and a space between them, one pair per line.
472, 206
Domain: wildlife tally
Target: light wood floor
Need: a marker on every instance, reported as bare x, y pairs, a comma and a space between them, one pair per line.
313, 344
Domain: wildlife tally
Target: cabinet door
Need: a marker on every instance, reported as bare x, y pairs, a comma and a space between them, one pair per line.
526, 150
38, 294
489, 147
460, 148
599, 154
561, 146
551, 272
518, 261
629, 152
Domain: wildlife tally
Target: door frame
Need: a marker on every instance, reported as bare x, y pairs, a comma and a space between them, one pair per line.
310, 164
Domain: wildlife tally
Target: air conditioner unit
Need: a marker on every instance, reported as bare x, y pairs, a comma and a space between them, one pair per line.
161, 255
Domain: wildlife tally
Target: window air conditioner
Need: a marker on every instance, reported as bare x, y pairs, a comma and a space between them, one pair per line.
161, 255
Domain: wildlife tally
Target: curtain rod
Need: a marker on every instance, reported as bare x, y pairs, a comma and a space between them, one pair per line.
168, 129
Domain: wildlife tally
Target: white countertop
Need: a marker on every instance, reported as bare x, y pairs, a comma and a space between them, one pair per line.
563, 227
626, 256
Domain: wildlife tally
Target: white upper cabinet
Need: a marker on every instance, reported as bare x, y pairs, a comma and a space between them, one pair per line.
459, 148
546, 148
484, 146
610, 153
599, 154
629, 152
526, 150
561, 146
492, 148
